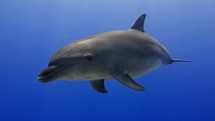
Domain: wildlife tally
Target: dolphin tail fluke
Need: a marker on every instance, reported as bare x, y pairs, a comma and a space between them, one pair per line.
179, 60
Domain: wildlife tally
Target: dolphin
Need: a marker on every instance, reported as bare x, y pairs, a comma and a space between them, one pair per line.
116, 55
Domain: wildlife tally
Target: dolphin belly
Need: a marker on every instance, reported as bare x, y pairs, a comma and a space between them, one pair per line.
146, 68
135, 66
83, 72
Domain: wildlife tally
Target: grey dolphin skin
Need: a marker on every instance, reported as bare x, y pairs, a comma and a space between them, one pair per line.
117, 55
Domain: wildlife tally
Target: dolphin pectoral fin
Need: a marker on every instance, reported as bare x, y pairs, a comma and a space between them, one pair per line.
126, 80
98, 85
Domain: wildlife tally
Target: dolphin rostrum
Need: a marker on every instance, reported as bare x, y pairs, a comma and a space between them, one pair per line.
116, 55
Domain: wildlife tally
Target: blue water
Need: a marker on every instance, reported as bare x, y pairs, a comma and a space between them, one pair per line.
32, 30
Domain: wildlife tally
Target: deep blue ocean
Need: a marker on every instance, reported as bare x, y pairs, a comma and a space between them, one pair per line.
32, 30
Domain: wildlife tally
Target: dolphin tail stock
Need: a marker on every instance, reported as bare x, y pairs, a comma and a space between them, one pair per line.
179, 60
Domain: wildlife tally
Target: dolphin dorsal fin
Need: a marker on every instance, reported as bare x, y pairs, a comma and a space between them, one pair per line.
139, 23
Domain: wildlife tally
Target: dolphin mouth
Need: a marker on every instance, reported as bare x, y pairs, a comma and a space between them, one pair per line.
47, 74
50, 73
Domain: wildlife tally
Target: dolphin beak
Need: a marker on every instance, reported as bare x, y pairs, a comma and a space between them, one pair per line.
47, 74
42, 80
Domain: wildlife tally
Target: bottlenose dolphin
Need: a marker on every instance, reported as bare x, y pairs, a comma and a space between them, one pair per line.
116, 55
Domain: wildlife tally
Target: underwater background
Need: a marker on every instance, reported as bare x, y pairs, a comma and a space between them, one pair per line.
32, 30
